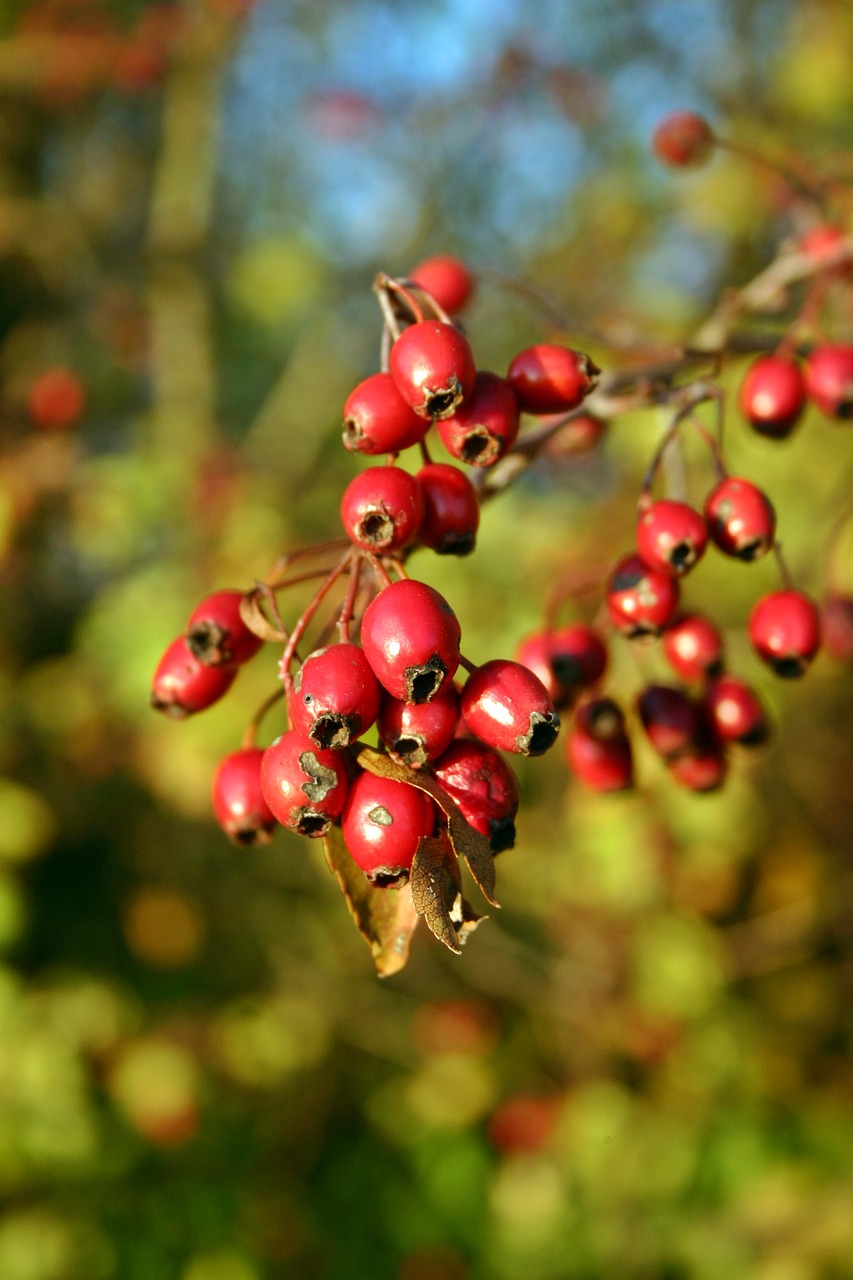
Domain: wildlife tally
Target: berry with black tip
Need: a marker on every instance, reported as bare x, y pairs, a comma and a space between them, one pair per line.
377, 420
829, 379
671, 536
670, 718
484, 788
451, 510
735, 711
335, 696
482, 429
741, 519
410, 636
183, 685
598, 750
640, 601
548, 378
418, 735
433, 368
506, 706
784, 630
304, 786
238, 802
693, 646
383, 822
217, 634
773, 395
382, 509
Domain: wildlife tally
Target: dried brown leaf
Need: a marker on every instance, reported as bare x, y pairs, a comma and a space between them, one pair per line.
434, 879
258, 622
385, 918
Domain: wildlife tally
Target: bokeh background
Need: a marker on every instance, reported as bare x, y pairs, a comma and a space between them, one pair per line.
642, 1067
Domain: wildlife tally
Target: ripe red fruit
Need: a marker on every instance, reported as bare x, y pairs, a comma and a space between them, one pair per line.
451, 510
741, 519
548, 378
433, 368
238, 802
483, 428
829, 379
483, 787
419, 735
57, 399
183, 685
566, 660
703, 768
693, 646
836, 620
382, 509
671, 536
683, 138
670, 718
410, 637
217, 634
784, 630
445, 279
382, 824
598, 750
508, 708
773, 395
304, 786
735, 711
335, 696
581, 434
640, 600
378, 420
523, 1124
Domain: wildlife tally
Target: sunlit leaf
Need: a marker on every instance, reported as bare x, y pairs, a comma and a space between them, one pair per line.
385, 918
436, 889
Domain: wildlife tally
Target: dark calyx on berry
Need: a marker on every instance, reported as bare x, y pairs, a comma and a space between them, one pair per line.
425, 681
541, 734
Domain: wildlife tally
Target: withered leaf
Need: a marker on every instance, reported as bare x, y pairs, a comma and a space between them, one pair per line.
385, 918
464, 918
257, 621
472, 845
434, 879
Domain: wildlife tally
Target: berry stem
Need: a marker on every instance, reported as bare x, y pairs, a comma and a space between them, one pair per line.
348, 606
466, 664
386, 287
436, 307
308, 613
804, 183
250, 733
575, 582
787, 580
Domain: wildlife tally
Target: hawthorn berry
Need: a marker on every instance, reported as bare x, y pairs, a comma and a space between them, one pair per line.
418, 735
382, 509
335, 696
304, 786
566, 660
506, 706
735, 711
582, 433
741, 519
451, 510
377, 420
693, 646
57, 399
410, 636
433, 368
671, 536
670, 718
836, 621
683, 138
446, 279
183, 684
598, 750
217, 634
784, 630
548, 378
640, 600
482, 429
383, 822
773, 395
483, 787
702, 768
238, 802
829, 379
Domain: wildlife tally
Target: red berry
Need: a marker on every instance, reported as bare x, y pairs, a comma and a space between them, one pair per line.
410, 637
523, 1124
773, 395
741, 519
823, 241
383, 823
836, 620
335, 696
508, 708
693, 646
534, 652
670, 718
382, 509
238, 802
451, 509
483, 787
217, 634
640, 600
419, 735
671, 536
182, 685
829, 379
566, 660
735, 711
433, 368
378, 420
683, 138
57, 399
445, 279
784, 629
702, 768
598, 750
304, 786
485, 426
551, 379
581, 434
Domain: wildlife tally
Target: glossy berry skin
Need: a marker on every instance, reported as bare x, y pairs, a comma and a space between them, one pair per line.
335, 696
304, 786
598, 750
506, 706
417, 736
484, 788
670, 718
410, 636
548, 378
671, 536
183, 685
836, 621
217, 634
773, 396
433, 368
784, 630
483, 428
829, 379
741, 519
382, 509
566, 660
382, 823
57, 399
446, 279
451, 510
683, 138
377, 420
238, 802
735, 712
534, 652
693, 646
640, 600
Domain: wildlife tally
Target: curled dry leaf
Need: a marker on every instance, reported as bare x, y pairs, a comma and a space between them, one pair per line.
385, 918
436, 889
257, 621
